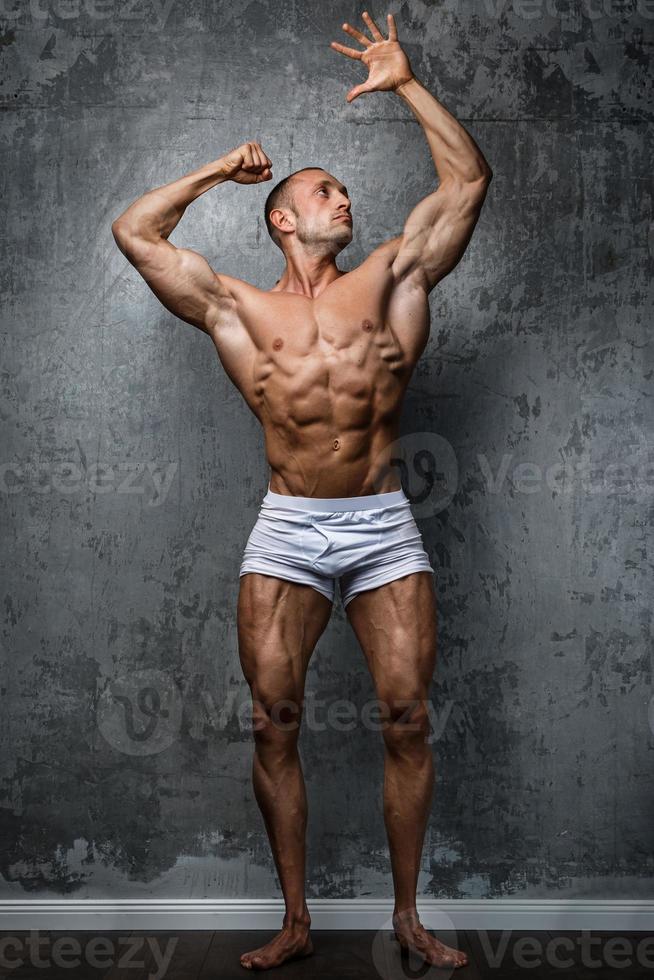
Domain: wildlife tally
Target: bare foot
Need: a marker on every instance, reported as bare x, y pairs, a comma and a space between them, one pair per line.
411, 935
291, 943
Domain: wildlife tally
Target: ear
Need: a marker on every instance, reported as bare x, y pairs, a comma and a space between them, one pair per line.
282, 219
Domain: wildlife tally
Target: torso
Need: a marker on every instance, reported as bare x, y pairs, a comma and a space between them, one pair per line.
326, 376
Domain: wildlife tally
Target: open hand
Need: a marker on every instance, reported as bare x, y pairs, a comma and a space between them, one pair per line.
388, 65
247, 164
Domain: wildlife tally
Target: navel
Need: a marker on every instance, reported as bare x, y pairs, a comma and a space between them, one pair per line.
278, 343
336, 444
367, 325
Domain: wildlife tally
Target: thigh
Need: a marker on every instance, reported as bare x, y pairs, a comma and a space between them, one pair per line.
279, 624
396, 627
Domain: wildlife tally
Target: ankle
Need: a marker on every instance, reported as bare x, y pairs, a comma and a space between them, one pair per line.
294, 920
407, 916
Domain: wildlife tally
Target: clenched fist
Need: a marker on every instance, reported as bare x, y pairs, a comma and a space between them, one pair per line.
247, 164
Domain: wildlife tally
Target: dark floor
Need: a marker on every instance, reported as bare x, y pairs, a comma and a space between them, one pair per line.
348, 955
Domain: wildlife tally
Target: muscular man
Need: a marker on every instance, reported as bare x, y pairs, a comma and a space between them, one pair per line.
323, 359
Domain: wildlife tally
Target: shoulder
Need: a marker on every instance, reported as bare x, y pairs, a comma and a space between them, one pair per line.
247, 304
243, 295
237, 288
246, 292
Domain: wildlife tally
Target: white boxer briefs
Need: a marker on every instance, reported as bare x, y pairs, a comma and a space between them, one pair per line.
364, 542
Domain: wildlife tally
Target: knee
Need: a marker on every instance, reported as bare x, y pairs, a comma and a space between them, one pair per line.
406, 721
275, 720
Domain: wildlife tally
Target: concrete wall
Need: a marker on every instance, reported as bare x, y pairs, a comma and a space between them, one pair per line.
133, 471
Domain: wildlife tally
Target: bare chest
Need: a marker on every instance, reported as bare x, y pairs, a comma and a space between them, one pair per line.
352, 349
345, 350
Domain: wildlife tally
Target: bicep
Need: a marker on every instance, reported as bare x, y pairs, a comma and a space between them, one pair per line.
181, 279
437, 232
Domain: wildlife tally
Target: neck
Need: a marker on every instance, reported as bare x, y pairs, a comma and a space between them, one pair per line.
307, 274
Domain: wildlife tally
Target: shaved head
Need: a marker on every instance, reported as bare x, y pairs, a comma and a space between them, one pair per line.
281, 196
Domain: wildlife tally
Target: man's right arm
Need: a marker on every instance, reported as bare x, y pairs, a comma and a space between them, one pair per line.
180, 278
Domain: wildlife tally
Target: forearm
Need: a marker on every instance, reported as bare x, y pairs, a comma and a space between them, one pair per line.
155, 214
455, 153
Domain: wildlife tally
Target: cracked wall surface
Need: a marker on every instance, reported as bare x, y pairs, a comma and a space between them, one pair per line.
133, 471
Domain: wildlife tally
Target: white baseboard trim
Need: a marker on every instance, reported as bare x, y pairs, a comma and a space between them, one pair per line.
615, 915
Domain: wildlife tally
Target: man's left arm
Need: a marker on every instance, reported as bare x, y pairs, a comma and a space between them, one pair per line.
438, 230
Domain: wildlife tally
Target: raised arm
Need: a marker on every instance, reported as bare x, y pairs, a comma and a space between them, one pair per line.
181, 278
439, 228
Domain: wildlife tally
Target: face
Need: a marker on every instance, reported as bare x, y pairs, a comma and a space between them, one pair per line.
321, 203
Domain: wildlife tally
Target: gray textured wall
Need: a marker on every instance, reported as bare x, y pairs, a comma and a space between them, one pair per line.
133, 472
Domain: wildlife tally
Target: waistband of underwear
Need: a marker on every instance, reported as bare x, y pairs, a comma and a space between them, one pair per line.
373, 501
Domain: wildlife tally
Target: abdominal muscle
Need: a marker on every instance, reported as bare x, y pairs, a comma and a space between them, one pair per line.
323, 465
333, 436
